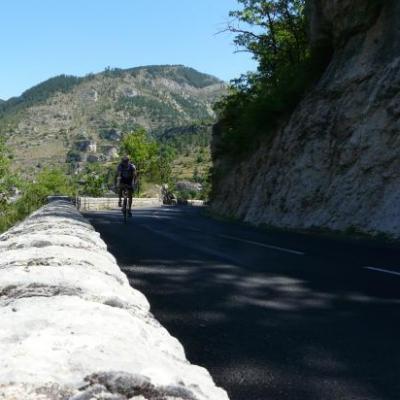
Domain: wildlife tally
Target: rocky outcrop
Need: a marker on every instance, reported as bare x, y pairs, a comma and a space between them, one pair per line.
73, 328
335, 163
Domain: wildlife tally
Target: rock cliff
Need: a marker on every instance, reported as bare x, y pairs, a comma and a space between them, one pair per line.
73, 328
335, 163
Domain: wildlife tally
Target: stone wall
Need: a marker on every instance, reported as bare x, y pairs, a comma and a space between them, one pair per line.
73, 328
108, 203
196, 203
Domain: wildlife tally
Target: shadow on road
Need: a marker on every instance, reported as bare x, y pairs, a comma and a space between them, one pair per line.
267, 325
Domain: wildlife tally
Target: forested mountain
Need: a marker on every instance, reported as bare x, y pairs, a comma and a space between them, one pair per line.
79, 119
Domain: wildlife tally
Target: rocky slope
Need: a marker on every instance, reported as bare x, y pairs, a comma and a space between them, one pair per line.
335, 163
82, 119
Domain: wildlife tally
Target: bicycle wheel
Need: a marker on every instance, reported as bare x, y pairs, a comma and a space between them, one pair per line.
125, 208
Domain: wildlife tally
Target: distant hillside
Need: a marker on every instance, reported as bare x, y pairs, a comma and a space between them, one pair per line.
182, 136
80, 119
192, 146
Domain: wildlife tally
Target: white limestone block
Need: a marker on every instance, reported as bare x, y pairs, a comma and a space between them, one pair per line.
71, 326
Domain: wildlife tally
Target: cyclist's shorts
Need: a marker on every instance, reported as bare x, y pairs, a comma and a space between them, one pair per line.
128, 188
126, 184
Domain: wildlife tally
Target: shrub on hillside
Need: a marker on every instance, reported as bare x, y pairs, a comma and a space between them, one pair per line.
47, 183
95, 180
186, 190
34, 194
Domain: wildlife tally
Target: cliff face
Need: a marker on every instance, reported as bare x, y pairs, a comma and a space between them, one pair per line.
336, 162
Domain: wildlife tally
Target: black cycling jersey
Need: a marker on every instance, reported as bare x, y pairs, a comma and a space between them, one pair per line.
127, 173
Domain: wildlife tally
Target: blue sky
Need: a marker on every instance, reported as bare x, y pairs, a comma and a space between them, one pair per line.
44, 38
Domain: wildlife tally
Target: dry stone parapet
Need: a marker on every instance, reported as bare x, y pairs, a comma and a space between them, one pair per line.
73, 328
109, 203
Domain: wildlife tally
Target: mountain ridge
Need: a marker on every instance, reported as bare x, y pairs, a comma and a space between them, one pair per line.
56, 116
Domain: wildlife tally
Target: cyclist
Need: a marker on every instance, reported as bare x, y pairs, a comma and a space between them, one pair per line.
126, 177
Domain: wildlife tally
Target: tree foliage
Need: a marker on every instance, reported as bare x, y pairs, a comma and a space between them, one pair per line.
278, 41
48, 182
166, 155
4, 163
33, 194
152, 159
141, 148
94, 180
274, 31
42, 91
6, 179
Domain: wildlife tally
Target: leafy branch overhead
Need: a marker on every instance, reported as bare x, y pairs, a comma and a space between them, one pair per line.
275, 32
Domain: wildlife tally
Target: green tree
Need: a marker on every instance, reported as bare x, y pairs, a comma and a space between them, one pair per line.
274, 31
152, 160
4, 172
47, 183
165, 157
276, 36
34, 195
141, 148
7, 181
196, 175
93, 181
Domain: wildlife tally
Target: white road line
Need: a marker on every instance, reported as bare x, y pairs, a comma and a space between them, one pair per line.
386, 271
268, 246
190, 244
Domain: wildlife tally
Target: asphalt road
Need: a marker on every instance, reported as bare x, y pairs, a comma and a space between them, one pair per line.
272, 315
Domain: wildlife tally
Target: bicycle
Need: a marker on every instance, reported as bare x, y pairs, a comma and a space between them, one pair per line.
125, 196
